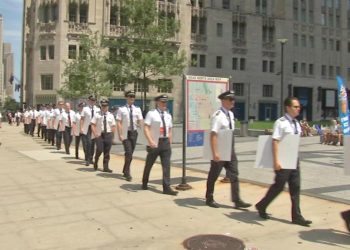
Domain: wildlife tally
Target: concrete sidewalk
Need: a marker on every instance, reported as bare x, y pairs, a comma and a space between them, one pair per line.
49, 200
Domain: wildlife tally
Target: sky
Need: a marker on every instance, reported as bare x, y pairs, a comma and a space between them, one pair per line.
12, 11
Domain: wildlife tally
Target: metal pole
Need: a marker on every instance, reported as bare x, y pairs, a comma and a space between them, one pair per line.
183, 185
282, 74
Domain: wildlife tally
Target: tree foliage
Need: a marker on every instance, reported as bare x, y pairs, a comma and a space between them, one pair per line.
10, 105
87, 74
149, 44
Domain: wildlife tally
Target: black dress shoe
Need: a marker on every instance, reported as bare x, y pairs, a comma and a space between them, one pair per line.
302, 222
346, 217
262, 213
107, 170
95, 166
212, 203
87, 163
144, 186
170, 192
77, 157
242, 204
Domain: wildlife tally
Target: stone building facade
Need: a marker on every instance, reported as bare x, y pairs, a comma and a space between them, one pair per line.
239, 39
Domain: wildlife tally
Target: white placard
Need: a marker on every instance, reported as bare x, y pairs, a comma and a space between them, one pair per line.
346, 154
224, 145
288, 149
155, 131
125, 126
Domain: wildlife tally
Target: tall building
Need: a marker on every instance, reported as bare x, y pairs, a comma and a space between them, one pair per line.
2, 92
270, 49
8, 70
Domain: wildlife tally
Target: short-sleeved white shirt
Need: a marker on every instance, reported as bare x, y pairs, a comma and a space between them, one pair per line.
98, 120
65, 120
124, 113
220, 120
86, 114
57, 117
155, 116
76, 121
284, 126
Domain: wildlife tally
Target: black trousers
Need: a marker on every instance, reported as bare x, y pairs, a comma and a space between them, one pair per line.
43, 132
129, 147
59, 135
164, 151
77, 144
89, 145
231, 172
26, 128
104, 145
39, 129
292, 176
32, 127
67, 138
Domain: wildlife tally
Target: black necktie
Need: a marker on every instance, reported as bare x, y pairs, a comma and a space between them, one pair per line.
295, 127
104, 123
92, 111
163, 122
69, 120
131, 119
229, 119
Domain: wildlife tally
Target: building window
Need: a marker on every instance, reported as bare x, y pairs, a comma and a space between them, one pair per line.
242, 64
331, 72
238, 88
72, 51
235, 63
84, 10
219, 62
272, 66
42, 52
303, 41
337, 45
264, 65
311, 69
72, 9
267, 90
138, 87
194, 24
51, 52
46, 82
119, 86
324, 70
295, 67
337, 21
331, 44
337, 71
202, 61
303, 69
348, 47
295, 40
348, 71
261, 6
226, 4
324, 43
219, 29
202, 25
113, 20
194, 60
312, 42
164, 86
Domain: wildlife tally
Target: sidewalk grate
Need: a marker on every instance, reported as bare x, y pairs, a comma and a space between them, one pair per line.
213, 242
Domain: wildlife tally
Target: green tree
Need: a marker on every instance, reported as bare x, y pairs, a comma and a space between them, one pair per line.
10, 104
148, 46
87, 74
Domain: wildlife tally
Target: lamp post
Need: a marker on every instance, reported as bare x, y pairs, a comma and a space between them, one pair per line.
282, 41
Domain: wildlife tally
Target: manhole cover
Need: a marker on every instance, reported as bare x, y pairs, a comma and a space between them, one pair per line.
212, 242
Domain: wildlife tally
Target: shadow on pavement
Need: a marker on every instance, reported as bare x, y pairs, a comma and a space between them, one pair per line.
193, 203
77, 162
111, 175
131, 187
68, 157
248, 217
178, 180
330, 237
86, 169
58, 152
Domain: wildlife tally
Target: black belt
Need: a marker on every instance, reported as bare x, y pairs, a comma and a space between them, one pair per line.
163, 138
